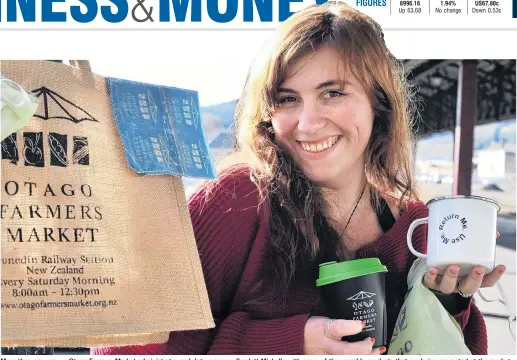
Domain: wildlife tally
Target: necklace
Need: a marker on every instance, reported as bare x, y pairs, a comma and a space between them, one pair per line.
353, 211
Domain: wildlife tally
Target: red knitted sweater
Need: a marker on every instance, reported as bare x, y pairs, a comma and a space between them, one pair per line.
231, 232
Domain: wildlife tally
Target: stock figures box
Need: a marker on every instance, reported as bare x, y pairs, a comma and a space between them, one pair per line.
95, 249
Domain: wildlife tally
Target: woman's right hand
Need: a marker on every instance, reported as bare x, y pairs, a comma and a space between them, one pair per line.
323, 337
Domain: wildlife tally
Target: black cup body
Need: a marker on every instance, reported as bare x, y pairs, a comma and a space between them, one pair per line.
362, 298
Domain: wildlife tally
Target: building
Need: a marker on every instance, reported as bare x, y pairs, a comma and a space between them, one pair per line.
495, 163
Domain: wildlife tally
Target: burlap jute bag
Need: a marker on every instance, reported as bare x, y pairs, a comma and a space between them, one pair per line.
92, 253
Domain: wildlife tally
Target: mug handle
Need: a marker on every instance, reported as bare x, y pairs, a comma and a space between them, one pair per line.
412, 227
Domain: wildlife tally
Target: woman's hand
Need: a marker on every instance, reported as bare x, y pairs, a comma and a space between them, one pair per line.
323, 337
448, 282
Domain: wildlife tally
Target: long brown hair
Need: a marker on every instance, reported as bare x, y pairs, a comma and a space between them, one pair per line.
298, 220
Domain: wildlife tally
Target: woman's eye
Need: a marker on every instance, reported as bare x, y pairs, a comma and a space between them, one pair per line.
333, 94
287, 99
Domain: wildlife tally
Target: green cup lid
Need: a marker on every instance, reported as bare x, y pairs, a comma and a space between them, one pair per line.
332, 272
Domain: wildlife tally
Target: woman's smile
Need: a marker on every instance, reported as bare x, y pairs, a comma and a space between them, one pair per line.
317, 150
319, 146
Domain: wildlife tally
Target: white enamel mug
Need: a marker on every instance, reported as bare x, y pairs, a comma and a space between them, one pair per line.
461, 231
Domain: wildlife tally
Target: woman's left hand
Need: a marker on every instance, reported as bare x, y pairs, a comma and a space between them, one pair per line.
448, 282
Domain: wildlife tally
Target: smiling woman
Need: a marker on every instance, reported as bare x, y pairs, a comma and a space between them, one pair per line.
326, 125
321, 173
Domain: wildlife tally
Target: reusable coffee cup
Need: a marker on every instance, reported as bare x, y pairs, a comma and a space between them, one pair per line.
354, 290
461, 231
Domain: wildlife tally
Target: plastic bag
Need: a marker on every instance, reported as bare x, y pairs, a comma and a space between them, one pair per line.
423, 326
16, 106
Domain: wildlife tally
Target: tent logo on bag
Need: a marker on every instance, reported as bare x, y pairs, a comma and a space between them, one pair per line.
65, 108
33, 142
452, 224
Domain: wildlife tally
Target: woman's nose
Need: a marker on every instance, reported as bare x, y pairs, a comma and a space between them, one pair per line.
310, 119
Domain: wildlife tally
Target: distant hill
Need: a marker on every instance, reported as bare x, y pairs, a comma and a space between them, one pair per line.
224, 112
440, 146
224, 140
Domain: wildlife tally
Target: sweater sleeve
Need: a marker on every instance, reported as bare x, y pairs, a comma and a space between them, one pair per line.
226, 219
236, 334
240, 334
474, 331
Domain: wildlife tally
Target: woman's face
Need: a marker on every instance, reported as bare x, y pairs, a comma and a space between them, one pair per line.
325, 123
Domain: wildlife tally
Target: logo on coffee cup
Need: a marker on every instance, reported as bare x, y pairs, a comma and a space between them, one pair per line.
362, 295
454, 221
364, 309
